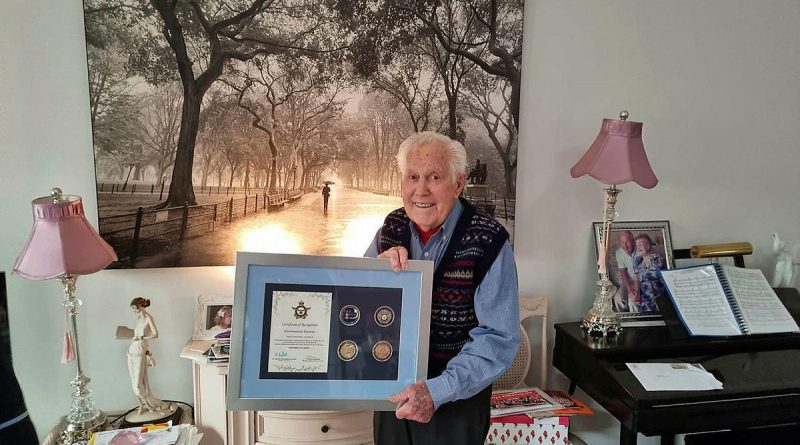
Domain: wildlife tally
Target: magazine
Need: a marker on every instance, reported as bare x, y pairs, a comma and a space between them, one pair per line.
570, 405
521, 400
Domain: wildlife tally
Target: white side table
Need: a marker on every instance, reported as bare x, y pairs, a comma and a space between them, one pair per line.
222, 427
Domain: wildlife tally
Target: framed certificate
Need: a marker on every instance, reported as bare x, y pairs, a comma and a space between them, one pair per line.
326, 333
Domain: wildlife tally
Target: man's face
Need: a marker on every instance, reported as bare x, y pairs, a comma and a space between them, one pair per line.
429, 191
626, 242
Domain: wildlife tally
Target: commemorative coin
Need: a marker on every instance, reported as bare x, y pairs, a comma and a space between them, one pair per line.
349, 315
384, 316
348, 350
382, 351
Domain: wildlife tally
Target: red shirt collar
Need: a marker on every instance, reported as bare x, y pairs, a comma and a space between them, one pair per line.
425, 236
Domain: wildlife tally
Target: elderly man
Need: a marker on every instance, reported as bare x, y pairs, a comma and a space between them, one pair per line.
474, 335
630, 293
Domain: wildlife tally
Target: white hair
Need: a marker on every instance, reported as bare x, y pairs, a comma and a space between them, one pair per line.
457, 155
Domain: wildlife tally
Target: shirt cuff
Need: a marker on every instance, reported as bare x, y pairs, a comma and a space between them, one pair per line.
440, 390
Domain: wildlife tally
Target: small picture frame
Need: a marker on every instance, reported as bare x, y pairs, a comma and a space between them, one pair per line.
637, 249
213, 317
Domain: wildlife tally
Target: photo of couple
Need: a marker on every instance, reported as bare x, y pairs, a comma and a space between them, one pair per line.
636, 251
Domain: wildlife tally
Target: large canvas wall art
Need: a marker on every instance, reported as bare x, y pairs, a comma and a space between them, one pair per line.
273, 126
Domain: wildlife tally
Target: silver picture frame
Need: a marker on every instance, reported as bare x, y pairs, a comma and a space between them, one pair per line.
345, 370
658, 232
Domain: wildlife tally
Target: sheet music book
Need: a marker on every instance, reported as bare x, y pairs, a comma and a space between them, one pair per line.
719, 300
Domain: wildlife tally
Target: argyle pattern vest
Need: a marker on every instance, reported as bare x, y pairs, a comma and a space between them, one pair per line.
475, 244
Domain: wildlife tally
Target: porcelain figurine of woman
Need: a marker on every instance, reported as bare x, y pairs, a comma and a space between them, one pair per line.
139, 359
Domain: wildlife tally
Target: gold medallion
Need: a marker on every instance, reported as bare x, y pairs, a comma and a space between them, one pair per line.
348, 350
384, 316
382, 351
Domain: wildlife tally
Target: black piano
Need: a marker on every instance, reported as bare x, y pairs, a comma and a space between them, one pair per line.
760, 375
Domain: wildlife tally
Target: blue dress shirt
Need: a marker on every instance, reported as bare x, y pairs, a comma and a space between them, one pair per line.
495, 341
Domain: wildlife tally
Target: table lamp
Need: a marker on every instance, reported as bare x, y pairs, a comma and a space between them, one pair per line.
615, 157
63, 245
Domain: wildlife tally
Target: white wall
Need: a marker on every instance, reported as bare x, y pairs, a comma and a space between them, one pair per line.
715, 83
46, 141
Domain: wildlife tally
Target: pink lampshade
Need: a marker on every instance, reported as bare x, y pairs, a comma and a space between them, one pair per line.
62, 241
617, 155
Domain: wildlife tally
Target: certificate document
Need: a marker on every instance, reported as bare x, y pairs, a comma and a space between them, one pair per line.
300, 331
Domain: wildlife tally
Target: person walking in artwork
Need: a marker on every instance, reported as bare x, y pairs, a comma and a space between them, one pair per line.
326, 193
475, 294
629, 292
646, 265
140, 358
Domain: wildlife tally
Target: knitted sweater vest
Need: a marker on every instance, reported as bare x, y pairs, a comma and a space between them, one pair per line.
475, 244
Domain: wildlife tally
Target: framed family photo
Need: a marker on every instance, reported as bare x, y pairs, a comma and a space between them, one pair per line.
322, 332
213, 317
636, 251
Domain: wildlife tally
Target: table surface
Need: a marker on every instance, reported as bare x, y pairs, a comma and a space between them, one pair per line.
115, 419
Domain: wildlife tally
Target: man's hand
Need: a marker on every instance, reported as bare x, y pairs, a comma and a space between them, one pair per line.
414, 403
398, 256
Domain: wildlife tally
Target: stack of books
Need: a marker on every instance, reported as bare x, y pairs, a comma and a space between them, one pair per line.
215, 351
219, 352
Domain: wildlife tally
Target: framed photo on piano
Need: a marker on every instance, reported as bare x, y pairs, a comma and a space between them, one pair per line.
326, 333
636, 251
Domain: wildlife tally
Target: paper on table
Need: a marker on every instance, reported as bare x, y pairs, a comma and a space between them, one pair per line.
158, 434
674, 376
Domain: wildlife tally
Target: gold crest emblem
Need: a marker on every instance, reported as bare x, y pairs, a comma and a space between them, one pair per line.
301, 311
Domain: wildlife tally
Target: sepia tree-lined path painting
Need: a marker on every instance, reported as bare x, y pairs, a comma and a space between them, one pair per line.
217, 122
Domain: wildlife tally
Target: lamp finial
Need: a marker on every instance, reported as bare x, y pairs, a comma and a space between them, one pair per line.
56, 193
623, 115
